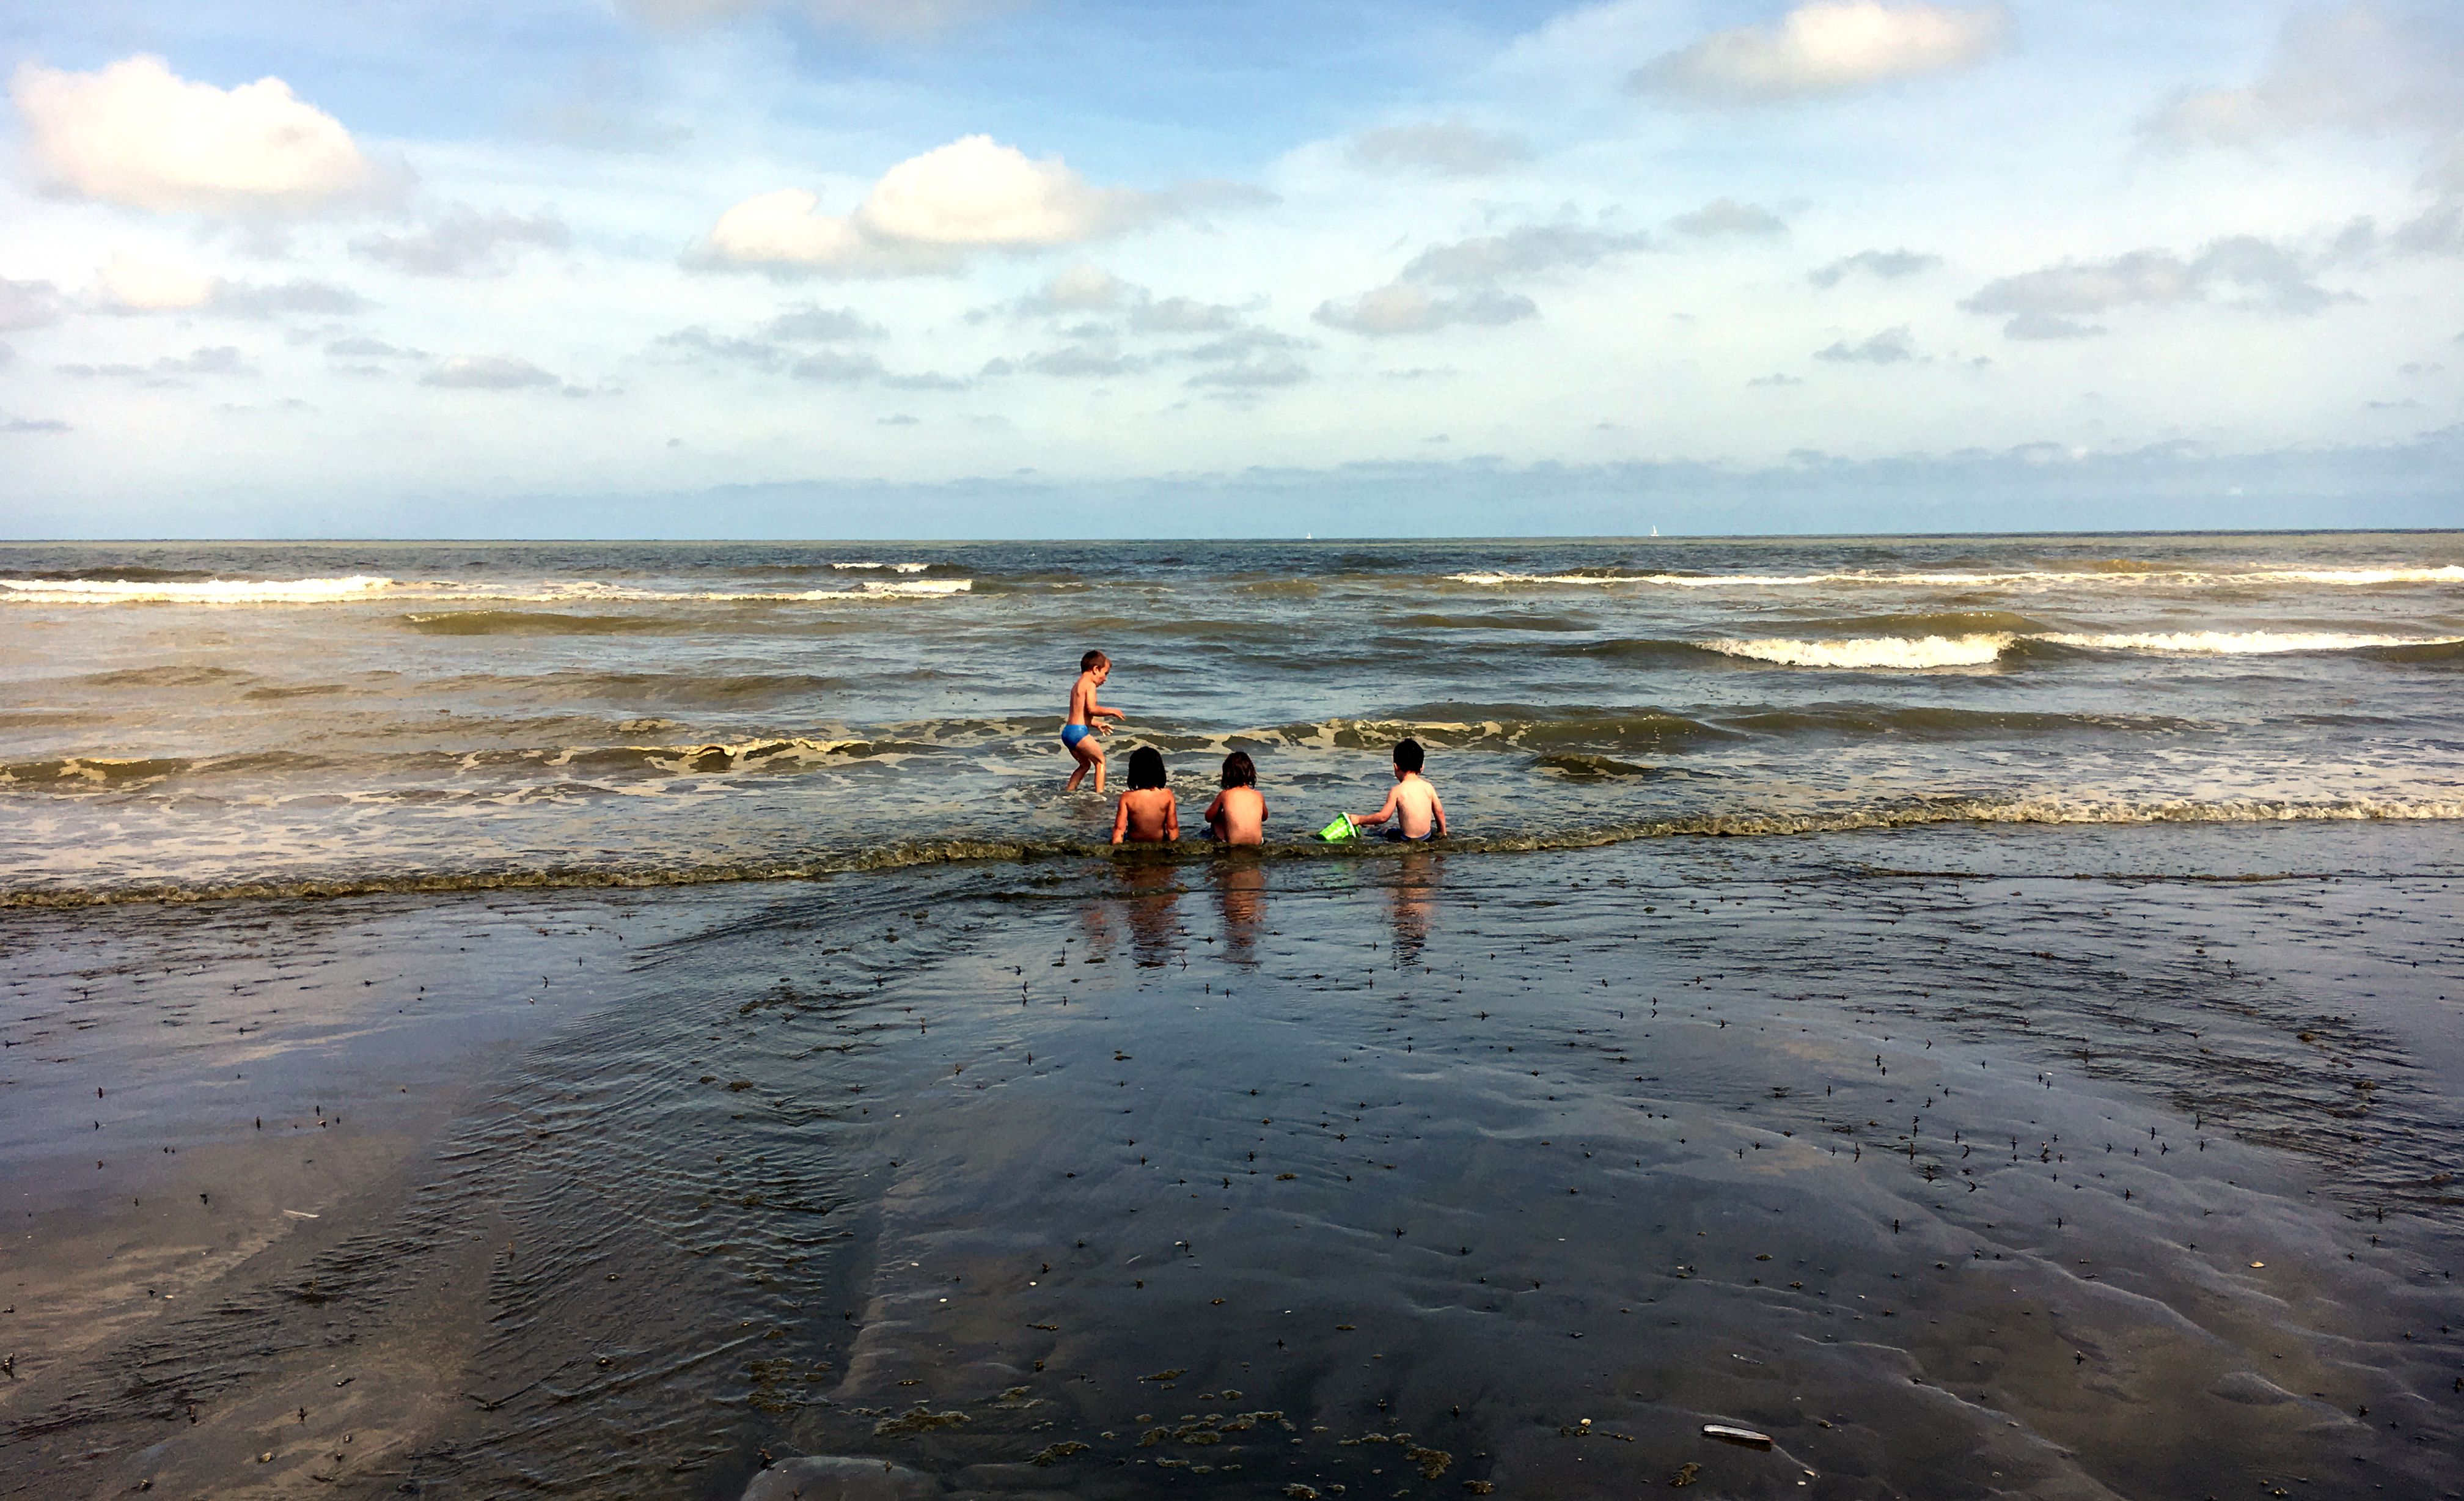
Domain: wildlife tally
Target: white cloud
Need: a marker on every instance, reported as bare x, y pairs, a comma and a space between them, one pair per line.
820, 324
976, 192
1724, 216
465, 243
1890, 346
487, 373
361, 348
1532, 249
926, 213
217, 360
129, 283
2362, 69
27, 305
2050, 303
1182, 316
1889, 265
137, 134
1825, 46
1085, 288
1449, 147
1476, 270
1402, 308
138, 284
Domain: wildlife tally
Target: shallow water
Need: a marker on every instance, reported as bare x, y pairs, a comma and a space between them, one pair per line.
2086, 1161
201, 717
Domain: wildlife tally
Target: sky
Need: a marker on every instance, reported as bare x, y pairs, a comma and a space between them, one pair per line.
1020, 268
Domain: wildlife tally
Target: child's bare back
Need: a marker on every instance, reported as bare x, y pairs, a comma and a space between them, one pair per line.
1148, 812
1238, 815
1411, 802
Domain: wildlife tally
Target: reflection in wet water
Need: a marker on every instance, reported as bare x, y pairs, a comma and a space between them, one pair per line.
1411, 898
1152, 908
1240, 900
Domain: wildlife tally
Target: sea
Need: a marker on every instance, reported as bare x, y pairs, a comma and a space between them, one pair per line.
1892, 1019
186, 718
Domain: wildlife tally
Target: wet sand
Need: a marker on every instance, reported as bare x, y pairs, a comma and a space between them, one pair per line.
1960, 1163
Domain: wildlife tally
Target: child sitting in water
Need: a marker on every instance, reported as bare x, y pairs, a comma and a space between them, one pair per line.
1078, 737
1238, 815
1148, 813
1411, 801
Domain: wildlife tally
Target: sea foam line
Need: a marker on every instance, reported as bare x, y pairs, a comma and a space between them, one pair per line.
362, 588
1743, 824
208, 591
1915, 654
2448, 573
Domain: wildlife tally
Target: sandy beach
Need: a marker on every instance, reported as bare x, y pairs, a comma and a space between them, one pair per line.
1957, 1163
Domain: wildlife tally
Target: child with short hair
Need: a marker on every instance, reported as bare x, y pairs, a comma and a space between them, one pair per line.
1238, 815
1412, 802
1078, 737
1148, 812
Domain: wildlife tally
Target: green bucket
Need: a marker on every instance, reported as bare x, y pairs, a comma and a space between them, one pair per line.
1342, 828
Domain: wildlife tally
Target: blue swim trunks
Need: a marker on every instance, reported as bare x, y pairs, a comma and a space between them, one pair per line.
1072, 734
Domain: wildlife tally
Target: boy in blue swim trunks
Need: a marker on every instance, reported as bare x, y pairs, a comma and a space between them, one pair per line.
1411, 802
1086, 721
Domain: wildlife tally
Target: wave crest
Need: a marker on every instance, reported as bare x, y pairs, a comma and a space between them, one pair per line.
1742, 824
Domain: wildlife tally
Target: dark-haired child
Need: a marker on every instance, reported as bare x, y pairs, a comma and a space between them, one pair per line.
1148, 813
1411, 802
1079, 736
1238, 815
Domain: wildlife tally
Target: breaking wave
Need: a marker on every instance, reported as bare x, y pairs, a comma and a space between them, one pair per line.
1743, 824
157, 589
2104, 574
1905, 653
362, 588
1917, 654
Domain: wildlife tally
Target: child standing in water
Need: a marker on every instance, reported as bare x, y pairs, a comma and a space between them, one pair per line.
1238, 815
1411, 802
1086, 721
1147, 815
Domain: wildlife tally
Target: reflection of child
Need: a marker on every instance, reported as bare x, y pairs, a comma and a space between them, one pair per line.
1238, 815
1411, 802
1086, 721
1147, 815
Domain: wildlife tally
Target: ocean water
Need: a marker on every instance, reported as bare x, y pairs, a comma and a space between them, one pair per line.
1981, 1012
201, 717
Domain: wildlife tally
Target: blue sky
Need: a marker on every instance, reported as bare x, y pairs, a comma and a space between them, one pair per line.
855, 266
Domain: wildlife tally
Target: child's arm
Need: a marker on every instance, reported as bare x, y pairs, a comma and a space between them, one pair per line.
1121, 818
1171, 817
1386, 811
1214, 814
1438, 812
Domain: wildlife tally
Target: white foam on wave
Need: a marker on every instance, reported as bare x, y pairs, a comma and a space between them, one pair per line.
2449, 573
1901, 652
208, 591
361, 588
921, 588
875, 567
1916, 653
2241, 643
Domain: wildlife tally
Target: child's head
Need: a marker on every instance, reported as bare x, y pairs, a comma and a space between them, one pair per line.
1146, 768
1408, 755
1240, 771
1094, 662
